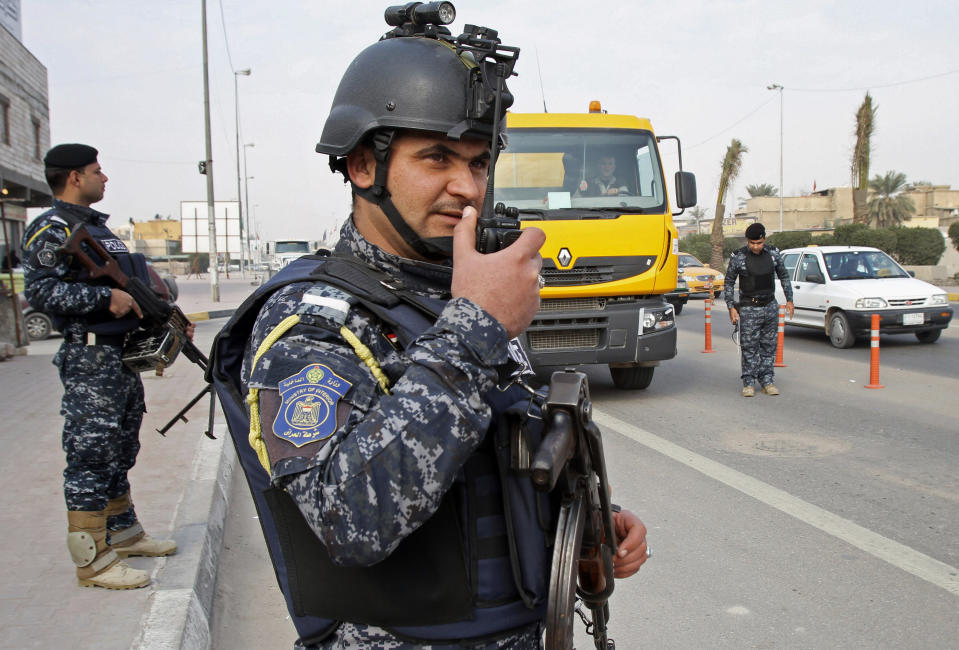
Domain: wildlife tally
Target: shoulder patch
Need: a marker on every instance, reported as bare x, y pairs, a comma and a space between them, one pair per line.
47, 256
307, 411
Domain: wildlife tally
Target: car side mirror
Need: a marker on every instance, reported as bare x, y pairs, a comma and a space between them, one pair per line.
911, 273
815, 277
685, 189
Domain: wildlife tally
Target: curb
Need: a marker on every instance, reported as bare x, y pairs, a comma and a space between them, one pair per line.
210, 315
179, 612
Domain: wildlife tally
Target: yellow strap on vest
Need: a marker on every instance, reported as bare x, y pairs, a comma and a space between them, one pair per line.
37, 234
366, 356
253, 397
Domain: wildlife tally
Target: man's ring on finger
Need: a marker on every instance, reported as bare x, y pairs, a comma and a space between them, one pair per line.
541, 280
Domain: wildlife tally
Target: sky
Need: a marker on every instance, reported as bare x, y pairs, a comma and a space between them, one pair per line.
127, 78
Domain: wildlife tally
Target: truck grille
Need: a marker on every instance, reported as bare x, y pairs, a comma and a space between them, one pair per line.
906, 302
572, 304
578, 275
564, 339
594, 270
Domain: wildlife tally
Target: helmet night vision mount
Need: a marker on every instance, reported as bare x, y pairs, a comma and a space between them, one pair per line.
420, 77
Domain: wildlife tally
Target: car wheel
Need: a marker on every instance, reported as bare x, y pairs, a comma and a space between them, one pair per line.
928, 336
840, 334
39, 326
632, 377
678, 308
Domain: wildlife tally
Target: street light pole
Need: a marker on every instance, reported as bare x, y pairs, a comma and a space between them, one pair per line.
236, 102
246, 199
208, 170
780, 89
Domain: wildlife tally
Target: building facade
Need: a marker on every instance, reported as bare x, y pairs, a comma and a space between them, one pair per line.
24, 129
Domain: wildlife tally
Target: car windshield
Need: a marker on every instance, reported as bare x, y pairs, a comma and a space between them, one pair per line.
580, 173
862, 265
688, 260
292, 247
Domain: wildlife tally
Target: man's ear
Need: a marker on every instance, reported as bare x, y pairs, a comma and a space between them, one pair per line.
361, 165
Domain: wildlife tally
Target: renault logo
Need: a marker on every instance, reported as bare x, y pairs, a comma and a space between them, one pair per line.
564, 257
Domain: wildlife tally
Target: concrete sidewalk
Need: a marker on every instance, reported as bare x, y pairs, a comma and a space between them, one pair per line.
181, 486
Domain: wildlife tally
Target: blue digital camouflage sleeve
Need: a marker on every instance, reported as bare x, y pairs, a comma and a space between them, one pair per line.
384, 470
45, 269
782, 273
737, 264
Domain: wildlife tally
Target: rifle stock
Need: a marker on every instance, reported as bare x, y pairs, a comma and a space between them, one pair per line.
155, 310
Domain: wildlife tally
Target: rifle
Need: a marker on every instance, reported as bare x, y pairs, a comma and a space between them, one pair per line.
163, 331
570, 458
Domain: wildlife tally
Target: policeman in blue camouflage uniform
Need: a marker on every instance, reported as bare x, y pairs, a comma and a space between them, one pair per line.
102, 399
369, 436
757, 266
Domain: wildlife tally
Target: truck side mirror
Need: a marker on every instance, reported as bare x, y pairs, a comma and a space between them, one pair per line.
685, 189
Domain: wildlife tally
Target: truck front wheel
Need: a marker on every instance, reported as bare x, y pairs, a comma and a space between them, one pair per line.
632, 377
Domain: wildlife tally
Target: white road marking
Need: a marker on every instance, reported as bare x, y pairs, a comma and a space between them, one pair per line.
898, 555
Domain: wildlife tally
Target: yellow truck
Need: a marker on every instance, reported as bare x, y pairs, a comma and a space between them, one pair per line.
594, 183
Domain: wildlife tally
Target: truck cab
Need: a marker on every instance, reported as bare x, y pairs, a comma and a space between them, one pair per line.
594, 183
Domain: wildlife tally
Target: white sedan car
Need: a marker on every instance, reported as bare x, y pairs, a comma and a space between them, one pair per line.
838, 288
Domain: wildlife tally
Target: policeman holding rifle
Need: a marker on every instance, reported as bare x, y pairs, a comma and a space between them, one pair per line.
382, 421
103, 401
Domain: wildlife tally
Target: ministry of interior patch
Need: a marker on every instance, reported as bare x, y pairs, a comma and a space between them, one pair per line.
308, 400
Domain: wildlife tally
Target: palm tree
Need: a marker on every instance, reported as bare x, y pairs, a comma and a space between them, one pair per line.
888, 206
698, 213
732, 163
763, 189
865, 125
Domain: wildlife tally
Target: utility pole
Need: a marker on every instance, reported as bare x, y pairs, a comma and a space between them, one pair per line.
239, 200
211, 215
780, 89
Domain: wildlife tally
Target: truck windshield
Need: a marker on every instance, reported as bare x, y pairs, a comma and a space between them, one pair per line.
862, 265
293, 247
559, 169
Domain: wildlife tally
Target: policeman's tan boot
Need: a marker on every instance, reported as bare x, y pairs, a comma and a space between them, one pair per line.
133, 541
97, 564
769, 389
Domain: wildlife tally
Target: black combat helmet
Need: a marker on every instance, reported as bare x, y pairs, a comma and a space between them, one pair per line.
406, 83
418, 77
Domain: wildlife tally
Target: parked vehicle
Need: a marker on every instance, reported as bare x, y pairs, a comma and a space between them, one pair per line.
703, 281
38, 325
838, 288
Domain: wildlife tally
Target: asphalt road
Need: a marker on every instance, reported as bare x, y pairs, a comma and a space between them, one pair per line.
826, 517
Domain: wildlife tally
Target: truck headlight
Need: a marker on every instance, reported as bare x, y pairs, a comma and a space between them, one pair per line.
871, 303
655, 320
939, 299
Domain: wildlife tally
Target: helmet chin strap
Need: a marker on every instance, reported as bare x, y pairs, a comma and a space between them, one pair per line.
433, 248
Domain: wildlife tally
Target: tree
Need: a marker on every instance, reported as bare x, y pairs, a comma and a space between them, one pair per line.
888, 206
919, 246
698, 213
954, 234
865, 126
763, 189
732, 163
